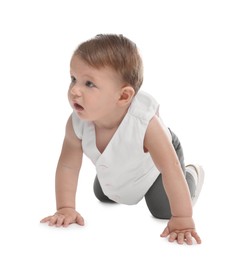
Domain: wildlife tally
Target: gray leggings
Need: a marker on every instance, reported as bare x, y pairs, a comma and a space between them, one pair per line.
156, 197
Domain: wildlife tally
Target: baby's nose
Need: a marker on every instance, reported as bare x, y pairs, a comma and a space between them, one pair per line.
75, 90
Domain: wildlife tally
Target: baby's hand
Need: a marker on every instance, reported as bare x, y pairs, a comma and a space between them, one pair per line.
64, 217
181, 229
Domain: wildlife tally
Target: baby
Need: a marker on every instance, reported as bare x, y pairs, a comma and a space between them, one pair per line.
118, 127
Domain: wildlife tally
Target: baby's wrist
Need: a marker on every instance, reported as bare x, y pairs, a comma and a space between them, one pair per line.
182, 216
65, 207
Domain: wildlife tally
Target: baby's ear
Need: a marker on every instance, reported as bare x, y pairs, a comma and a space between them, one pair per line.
127, 93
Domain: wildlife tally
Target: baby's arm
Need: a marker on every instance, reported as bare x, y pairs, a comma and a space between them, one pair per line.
66, 180
181, 225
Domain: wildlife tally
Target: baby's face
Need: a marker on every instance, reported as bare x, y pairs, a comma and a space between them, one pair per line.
93, 93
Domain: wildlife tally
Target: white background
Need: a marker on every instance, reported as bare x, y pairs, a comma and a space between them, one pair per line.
196, 62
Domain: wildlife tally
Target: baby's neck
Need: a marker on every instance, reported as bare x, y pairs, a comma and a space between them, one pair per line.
112, 121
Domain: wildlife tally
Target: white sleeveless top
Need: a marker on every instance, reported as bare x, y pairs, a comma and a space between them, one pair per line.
124, 170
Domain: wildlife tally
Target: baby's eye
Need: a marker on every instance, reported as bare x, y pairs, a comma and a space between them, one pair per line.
89, 84
73, 79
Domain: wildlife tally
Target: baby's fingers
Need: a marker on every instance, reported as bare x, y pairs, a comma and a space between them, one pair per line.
196, 237
188, 238
47, 219
172, 236
165, 232
180, 238
60, 220
80, 220
67, 221
53, 220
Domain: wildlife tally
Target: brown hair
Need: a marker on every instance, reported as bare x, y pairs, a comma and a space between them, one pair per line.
116, 52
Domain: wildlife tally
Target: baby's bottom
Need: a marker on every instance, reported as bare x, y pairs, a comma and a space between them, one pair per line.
156, 198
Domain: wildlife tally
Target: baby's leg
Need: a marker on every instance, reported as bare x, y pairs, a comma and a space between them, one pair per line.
156, 198
99, 192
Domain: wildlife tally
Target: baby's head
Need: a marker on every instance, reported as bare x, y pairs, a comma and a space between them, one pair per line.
116, 52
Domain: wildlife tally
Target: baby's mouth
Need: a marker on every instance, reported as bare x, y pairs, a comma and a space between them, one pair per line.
78, 107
